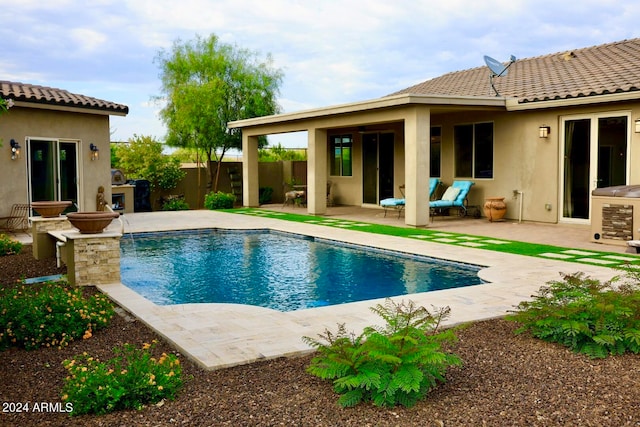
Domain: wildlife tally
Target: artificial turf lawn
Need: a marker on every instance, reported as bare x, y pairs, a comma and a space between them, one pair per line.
513, 246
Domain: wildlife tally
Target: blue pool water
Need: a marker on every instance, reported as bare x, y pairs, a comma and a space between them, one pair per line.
275, 270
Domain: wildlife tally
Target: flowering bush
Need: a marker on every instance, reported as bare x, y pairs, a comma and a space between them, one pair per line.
5, 104
50, 314
8, 246
175, 204
129, 380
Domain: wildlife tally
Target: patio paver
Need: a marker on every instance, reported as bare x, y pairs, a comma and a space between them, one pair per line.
221, 335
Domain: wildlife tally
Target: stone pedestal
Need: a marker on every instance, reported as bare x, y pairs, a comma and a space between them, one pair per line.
44, 245
92, 259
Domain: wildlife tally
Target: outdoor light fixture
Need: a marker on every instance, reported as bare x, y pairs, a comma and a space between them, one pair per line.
544, 131
15, 149
637, 125
95, 153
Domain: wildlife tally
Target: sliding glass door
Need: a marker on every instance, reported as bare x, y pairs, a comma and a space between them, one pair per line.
377, 167
595, 154
53, 170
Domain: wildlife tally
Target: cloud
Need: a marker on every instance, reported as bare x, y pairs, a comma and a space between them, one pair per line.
332, 51
87, 40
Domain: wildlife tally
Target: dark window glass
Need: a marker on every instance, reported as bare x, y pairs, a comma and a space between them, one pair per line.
483, 158
436, 140
473, 150
341, 159
463, 150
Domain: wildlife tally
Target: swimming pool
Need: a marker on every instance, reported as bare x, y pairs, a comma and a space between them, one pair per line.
276, 270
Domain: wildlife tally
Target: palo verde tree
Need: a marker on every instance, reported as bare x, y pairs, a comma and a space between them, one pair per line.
205, 85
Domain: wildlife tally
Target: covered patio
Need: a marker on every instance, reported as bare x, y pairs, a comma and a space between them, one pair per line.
406, 121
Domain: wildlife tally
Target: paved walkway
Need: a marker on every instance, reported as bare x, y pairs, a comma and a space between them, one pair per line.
221, 335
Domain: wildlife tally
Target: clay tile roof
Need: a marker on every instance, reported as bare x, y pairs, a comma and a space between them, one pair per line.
598, 70
52, 96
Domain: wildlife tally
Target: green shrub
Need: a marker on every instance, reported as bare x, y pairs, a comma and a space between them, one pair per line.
584, 314
175, 204
397, 364
130, 380
50, 314
265, 194
219, 200
8, 246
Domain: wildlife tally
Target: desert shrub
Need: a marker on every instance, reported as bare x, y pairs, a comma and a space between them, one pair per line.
588, 316
8, 246
142, 157
397, 364
265, 194
48, 315
175, 204
129, 380
219, 200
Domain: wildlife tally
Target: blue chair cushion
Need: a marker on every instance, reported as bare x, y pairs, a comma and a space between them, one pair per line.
442, 204
464, 187
433, 184
391, 202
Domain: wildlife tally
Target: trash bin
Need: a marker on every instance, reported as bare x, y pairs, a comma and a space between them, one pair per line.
615, 214
141, 195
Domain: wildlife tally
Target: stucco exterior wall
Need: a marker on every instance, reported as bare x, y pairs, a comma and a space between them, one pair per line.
522, 162
527, 169
20, 123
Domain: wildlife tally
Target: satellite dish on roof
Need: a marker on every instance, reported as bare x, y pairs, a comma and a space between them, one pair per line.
498, 69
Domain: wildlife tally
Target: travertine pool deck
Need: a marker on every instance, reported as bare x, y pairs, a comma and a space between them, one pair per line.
222, 335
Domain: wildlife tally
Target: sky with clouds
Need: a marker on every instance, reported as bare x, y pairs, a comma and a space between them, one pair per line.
331, 51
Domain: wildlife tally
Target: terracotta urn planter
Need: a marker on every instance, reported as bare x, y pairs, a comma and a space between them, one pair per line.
91, 222
494, 208
50, 209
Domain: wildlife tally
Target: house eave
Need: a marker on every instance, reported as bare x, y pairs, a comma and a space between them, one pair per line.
514, 105
72, 109
373, 104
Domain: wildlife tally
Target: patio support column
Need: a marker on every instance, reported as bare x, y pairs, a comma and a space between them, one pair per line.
317, 172
250, 183
417, 130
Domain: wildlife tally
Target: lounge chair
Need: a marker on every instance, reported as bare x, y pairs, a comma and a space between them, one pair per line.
454, 197
18, 219
398, 203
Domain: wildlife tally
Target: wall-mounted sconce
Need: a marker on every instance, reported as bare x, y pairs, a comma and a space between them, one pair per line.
95, 153
637, 125
15, 149
544, 131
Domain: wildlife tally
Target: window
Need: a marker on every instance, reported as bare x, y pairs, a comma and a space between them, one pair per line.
341, 149
473, 145
436, 138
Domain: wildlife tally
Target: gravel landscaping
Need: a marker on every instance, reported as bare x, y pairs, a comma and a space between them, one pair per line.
506, 380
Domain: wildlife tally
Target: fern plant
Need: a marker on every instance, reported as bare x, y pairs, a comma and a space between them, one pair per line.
396, 364
588, 316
